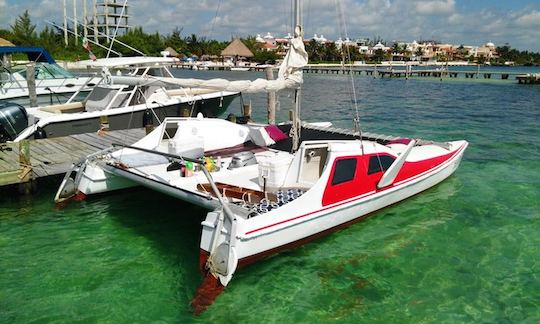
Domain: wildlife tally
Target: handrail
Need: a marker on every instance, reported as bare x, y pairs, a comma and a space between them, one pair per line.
226, 208
83, 86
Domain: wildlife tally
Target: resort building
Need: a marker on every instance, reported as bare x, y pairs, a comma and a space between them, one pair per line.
424, 51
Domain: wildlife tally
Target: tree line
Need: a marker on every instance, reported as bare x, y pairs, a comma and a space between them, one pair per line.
24, 33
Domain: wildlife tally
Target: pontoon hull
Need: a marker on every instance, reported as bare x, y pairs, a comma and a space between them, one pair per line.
256, 243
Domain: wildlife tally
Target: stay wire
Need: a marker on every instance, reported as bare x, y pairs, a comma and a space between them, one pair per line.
214, 21
344, 34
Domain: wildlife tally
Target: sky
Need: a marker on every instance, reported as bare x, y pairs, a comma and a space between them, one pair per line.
468, 22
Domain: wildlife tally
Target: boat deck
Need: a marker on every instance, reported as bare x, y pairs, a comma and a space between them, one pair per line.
29, 160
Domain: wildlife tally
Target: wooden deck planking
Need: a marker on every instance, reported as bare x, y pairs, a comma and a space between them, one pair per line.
53, 156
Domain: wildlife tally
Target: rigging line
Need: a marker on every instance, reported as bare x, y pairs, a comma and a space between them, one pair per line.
292, 16
343, 29
285, 24
214, 21
308, 17
117, 26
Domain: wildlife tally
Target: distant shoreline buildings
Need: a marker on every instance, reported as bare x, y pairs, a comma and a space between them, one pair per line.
422, 51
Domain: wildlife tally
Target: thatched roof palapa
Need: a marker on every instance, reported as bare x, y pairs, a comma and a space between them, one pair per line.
236, 48
5, 42
171, 51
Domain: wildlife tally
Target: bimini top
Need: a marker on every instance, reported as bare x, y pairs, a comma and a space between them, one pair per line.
35, 54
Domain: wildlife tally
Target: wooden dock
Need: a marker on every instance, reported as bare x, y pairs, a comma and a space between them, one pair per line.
391, 72
399, 72
23, 162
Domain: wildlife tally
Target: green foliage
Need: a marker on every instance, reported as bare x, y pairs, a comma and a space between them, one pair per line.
506, 53
378, 56
328, 52
24, 33
175, 41
6, 34
150, 44
260, 55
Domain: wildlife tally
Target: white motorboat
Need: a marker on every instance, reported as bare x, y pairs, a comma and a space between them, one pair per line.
53, 83
240, 68
114, 108
134, 101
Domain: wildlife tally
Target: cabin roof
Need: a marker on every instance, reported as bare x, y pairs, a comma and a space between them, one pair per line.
35, 54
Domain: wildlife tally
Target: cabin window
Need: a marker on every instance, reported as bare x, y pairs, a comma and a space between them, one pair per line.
344, 171
380, 163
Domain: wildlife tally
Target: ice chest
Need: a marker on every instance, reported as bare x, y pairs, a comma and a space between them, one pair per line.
188, 146
274, 169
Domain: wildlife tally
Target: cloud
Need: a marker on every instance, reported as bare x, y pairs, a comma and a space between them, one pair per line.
3, 11
456, 21
435, 7
529, 20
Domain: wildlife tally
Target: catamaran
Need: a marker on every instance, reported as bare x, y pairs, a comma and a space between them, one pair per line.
267, 187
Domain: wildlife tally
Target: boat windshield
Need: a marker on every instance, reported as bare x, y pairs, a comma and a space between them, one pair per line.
45, 71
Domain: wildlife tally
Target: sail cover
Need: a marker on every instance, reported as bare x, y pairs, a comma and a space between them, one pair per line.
289, 75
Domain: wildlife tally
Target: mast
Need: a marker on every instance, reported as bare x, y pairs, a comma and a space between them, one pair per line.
85, 20
95, 20
75, 17
296, 122
65, 25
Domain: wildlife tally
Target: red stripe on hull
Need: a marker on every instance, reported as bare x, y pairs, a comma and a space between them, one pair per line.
365, 195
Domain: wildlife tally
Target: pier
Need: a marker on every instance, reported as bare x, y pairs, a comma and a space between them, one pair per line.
528, 78
386, 71
390, 72
23, 162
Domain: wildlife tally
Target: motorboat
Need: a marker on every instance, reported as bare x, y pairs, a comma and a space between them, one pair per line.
52, 81
133, 102
120, 107
240, 68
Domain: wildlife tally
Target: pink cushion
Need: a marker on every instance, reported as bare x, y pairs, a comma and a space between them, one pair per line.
275, 133
405, 141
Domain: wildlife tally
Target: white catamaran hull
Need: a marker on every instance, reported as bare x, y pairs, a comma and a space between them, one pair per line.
298, 222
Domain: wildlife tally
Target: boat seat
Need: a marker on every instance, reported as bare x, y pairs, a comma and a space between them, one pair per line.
230, 151
4, 77
73, 107
101, 97
232, 191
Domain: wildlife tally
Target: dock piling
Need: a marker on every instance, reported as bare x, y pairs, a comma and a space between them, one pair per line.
271, 99
31, 80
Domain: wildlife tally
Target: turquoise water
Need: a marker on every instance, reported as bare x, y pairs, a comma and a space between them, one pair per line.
463, 251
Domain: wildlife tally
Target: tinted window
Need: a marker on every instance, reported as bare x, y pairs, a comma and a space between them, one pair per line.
344, 171
379, 163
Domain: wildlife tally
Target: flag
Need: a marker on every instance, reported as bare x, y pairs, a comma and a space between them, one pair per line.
86, 46
85, 43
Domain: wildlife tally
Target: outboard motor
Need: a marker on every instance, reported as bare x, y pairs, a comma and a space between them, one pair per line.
13, 120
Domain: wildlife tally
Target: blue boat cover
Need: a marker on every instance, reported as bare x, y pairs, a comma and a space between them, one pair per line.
35, 54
